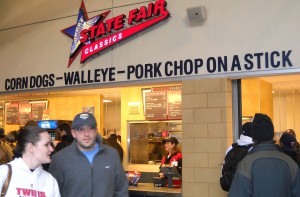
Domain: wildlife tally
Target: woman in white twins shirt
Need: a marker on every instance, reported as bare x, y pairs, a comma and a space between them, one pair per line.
28, 177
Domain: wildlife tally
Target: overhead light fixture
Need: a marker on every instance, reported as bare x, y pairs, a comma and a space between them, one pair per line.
248, 118
107, 101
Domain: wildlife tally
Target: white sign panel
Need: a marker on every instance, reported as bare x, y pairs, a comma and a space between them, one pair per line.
238, 38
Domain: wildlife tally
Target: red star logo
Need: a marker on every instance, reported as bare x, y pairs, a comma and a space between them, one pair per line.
83, 22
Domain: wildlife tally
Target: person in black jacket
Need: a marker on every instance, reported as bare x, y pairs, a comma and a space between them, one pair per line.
113, 142
293, 133
288, 145
64, 130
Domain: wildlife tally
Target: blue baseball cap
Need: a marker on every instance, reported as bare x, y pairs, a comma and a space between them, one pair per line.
84, 119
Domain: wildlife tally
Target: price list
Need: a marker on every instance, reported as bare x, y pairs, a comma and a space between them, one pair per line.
156, 105
37, 110
12, 113
174, 104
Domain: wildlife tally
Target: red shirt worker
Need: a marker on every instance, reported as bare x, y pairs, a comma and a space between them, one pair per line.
173, 157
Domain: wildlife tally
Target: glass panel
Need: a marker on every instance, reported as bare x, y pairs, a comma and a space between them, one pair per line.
112, 114
146, 140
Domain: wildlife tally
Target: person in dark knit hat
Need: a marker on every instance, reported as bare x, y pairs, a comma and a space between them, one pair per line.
265, 171
262, 128
245, 138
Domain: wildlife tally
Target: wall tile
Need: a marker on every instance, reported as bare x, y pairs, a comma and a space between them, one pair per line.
208, 85
195, 160
195, 190
194, 101
187, 87
207, 175
219, 129
207, 115
208, 145
188, 115
195, 130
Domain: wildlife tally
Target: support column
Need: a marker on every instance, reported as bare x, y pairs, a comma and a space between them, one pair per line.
207, 133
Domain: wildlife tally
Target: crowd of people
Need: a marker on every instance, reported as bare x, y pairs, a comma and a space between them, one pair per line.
81, 161
268, 168
76, 166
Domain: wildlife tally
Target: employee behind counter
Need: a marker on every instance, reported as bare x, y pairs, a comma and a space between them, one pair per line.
173, 157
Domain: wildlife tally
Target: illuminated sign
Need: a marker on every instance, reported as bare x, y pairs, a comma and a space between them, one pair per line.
47, 124
91, 36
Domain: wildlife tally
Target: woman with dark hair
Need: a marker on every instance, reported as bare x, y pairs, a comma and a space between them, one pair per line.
173, 157
28, 177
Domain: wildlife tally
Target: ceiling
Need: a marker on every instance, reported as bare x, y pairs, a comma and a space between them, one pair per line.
286, 84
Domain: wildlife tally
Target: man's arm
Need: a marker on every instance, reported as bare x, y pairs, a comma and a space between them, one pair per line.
121, 189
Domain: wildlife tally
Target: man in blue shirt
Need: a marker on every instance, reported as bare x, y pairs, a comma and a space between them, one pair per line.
88, 167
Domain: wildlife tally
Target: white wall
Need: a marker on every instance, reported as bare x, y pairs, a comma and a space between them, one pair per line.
233, 27
286, 112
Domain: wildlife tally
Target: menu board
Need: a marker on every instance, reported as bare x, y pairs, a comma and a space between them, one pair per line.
21, 112
37, 110
156, 105
12, 113
163, 103
174, 104
24, 112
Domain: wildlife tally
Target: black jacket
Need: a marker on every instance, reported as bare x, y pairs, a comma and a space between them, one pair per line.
66, 140
266, 172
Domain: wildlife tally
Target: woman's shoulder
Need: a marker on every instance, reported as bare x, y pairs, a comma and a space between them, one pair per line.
3, 169
178, 155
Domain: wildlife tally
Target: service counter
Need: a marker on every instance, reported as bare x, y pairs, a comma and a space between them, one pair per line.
148, 190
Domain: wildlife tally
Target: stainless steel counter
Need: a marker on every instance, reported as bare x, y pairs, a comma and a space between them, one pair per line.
148, 189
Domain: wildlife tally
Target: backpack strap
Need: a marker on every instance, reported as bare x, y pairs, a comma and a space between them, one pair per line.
245, 146
7, 181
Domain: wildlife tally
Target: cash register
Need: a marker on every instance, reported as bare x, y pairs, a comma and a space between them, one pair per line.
170, 173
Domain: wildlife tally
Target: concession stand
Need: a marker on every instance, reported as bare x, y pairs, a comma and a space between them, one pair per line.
148, 70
